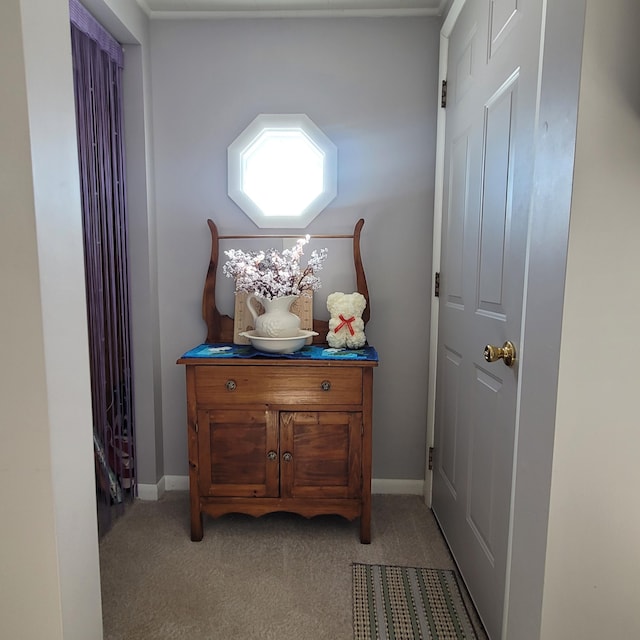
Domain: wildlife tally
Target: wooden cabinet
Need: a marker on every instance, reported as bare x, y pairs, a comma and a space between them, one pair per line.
279, 435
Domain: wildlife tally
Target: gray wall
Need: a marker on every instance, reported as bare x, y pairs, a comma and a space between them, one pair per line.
49, 569
371, 86
592, 563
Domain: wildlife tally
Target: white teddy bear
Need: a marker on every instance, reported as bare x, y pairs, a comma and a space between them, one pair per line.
346, 327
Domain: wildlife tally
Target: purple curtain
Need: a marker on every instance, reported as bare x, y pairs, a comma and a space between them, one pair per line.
97, 72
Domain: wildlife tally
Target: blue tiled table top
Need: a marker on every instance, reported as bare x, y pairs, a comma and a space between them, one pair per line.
310, 352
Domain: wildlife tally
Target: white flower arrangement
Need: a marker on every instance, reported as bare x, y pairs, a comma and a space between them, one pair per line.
271, 274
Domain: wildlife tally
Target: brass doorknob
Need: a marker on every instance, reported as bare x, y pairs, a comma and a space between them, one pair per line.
507, 352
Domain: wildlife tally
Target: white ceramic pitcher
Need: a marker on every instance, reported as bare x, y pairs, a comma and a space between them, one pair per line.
276, 321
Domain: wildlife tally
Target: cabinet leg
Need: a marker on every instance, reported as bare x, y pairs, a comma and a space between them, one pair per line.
365, 528
196, 526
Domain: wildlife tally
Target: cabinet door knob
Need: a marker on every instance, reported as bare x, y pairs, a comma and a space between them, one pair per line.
272, 455
287, 457
326, 385
231, 385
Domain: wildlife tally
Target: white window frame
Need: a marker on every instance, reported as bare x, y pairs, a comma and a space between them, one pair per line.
297, 122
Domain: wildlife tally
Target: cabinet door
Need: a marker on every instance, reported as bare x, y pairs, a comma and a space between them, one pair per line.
320, 454
238, 453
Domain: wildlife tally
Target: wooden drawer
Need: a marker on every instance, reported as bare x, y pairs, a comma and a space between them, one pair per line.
247, 385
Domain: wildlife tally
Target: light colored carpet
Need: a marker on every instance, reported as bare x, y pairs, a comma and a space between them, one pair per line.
278, 577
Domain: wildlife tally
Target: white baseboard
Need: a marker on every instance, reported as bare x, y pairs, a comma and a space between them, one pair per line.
181, 483
152, 491
177, 483
412, 487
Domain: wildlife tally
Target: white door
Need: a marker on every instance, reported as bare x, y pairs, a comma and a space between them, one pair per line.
490, 114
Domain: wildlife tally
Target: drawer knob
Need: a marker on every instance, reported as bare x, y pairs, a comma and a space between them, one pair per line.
231, 385
287, 457
272, 455
326, 385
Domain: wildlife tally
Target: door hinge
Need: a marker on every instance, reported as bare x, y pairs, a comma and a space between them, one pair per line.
443, 95
430, 458
436, 284
195, 427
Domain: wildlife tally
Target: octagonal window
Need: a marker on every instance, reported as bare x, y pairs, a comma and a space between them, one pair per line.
282, 170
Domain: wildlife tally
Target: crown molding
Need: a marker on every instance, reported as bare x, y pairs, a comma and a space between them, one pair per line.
334, 11
145, 7
317, 13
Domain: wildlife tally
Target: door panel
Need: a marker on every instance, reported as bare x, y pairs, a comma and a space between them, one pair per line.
448, 455
459, 172
503, 14
463, 59
495, 204
235, 445
488, 168
325, 448
482, 459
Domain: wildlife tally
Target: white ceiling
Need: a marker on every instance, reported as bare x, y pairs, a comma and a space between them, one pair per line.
285, 8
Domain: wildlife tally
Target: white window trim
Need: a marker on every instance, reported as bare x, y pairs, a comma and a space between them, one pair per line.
235, 151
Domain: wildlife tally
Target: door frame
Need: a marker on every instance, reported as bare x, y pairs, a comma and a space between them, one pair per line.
445, 31
554, 147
